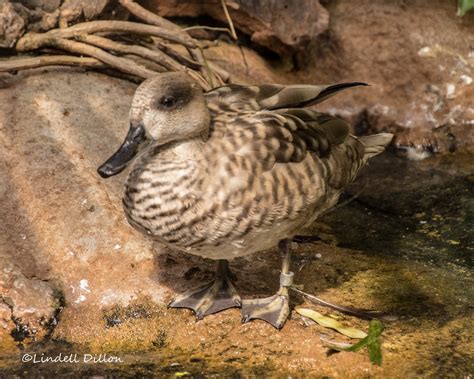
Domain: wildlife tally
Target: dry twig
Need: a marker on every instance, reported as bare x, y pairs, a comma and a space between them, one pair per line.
48, 60
107, 44
177, 56
211, 28
141, 60
32, 41
151, 18
229, 20
123, 64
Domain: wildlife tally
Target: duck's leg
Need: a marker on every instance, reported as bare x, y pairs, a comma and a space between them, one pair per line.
274, 309
212, 297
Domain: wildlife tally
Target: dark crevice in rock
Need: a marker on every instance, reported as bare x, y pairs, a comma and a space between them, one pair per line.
54, 320
21, 331
34, 277
24, 330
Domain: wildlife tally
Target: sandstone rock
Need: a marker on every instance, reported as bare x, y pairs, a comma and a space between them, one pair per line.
32, 304
419, 63
56, 229
6, 323
73, 10
285, 27
41, 15
12, 25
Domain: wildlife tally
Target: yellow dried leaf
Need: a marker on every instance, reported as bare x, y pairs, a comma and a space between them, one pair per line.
331, 323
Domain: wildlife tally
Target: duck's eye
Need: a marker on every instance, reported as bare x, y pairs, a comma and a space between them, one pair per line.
168, 101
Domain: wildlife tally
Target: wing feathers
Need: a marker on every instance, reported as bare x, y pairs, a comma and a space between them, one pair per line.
375, 144
273, 96
330, 91
267, 125
284, 137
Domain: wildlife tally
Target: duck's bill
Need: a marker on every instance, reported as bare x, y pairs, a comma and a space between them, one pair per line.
134, 142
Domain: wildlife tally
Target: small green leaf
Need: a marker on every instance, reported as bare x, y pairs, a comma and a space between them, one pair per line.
331, 323
375, 353
371, 341
464, 6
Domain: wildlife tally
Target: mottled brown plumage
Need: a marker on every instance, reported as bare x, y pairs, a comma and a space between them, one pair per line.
236, 170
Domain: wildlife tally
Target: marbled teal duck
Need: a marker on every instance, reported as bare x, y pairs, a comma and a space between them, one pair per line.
232, 172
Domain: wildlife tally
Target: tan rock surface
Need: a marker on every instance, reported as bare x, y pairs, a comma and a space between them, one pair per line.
280, 26
418, 60
64, 232
74, 271
12, 25
416, 56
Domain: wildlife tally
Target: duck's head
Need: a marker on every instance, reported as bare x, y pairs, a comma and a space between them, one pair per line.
166, 108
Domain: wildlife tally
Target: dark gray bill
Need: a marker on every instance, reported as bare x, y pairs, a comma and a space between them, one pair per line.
130, 147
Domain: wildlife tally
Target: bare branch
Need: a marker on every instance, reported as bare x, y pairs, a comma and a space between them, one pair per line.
123, 64
229, 20
48, 60
177, 56
222, 74
33, 41
153, 55
139, 59
149, 17
212, 28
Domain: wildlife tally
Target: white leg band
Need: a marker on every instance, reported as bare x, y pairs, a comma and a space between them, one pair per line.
286, 280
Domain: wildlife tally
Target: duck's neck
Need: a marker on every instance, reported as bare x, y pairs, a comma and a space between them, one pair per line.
170, 161
190, 149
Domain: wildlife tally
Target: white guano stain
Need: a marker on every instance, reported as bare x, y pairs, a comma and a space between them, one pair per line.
82, 288
84, 285
425, 51
80, 299
466, 79
450, 89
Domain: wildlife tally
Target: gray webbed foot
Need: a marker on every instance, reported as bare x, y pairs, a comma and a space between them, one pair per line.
212, 297
274, 309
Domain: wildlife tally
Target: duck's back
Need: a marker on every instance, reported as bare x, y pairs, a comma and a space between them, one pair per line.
266, 129
274, 172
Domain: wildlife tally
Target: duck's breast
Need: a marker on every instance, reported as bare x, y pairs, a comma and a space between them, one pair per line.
159, 194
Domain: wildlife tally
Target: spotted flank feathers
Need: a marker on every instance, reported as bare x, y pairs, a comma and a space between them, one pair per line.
233, 171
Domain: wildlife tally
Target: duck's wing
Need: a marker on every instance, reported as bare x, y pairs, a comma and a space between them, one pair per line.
234, 98
285, 135
266, 140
